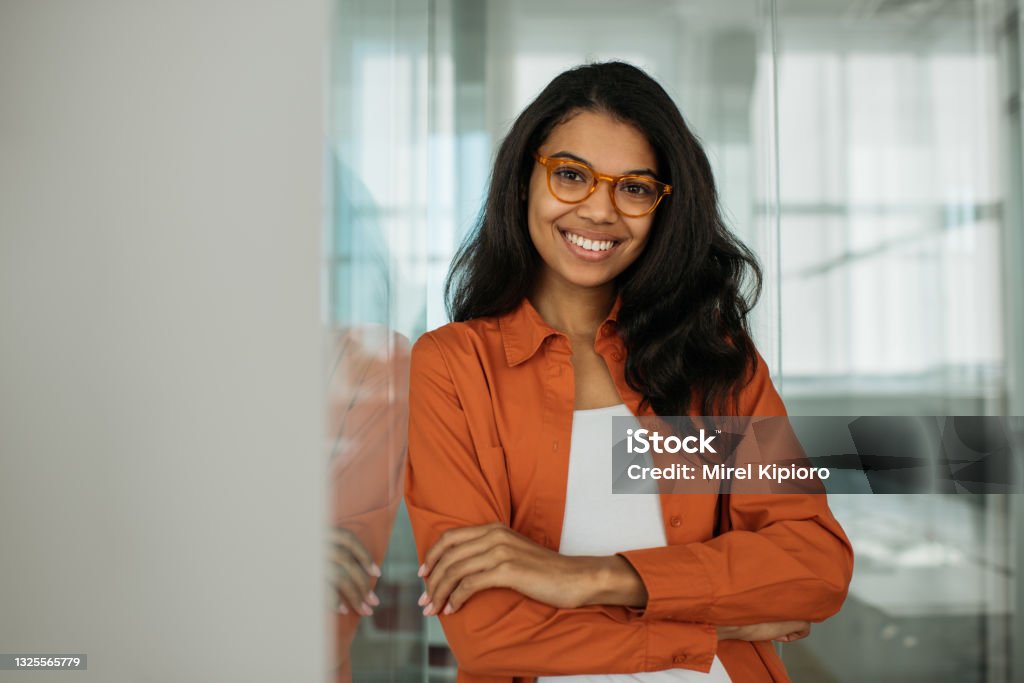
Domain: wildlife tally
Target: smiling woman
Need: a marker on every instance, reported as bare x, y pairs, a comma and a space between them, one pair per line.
582, 237
570, 306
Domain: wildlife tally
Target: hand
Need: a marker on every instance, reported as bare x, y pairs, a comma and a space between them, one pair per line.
467, 560
349, 574
781, 631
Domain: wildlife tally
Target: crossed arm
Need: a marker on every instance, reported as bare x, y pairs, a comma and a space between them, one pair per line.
467, 560
512, 607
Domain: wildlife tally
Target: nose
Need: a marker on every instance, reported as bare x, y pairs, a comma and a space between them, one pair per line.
598, 207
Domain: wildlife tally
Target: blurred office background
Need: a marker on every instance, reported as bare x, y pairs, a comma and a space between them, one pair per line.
163, 293
868, 150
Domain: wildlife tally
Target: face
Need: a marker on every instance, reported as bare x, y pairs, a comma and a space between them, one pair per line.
559, 230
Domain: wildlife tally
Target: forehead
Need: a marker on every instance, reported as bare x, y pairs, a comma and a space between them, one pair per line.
610, 145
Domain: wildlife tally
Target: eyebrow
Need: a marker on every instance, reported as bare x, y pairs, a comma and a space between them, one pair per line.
636, 171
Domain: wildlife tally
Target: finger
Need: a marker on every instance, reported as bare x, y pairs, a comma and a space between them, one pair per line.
780, 629
350, 542
791, 626
450, 577
451, 538
356, 595
334, 601
795, 635
349, 570
338, 602
463, 546
496, 576
350, 596
442, 580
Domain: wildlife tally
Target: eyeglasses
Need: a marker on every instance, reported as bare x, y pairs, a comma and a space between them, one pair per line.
572, 181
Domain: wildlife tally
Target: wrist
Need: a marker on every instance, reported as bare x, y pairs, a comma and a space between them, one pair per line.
611, 580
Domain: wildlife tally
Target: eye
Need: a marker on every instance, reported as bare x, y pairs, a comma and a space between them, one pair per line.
637, 187
570, 174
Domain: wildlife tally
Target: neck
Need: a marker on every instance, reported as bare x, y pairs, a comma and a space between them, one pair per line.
576, 311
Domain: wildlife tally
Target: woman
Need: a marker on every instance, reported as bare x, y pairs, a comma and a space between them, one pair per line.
601, 281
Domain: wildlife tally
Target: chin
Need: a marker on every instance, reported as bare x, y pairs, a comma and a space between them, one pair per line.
590, 280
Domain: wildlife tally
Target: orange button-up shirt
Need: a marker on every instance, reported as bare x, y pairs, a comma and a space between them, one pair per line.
490, 418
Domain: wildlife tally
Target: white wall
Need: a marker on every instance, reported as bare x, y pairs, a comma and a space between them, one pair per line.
161, 400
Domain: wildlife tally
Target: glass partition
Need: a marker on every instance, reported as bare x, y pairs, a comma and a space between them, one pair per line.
377, 255
893, 164
865, 151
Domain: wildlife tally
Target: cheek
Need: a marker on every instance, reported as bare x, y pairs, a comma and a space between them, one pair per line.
543, 209
642, 231
539, 220
536, 193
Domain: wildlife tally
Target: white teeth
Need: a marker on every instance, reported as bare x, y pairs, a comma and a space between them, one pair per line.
590, 245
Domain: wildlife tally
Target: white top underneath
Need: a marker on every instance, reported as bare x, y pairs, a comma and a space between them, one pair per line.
599, 523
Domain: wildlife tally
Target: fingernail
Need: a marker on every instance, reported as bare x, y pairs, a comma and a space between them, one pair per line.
342, 609
372, 598
448, 608
422, 571
365, 610
428, 610
424, 599
374, 570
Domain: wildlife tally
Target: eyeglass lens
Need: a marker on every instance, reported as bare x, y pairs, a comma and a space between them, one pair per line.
571, 182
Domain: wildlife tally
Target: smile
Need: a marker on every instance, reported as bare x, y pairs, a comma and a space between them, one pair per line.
588, 244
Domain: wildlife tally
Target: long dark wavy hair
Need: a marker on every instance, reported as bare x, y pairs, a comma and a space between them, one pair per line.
686, 298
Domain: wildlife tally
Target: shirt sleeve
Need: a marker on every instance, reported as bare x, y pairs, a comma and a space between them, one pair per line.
784, 558
451, 482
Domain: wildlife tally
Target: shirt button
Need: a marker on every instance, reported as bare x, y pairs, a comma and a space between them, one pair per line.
554, 445
679, 659
675, 521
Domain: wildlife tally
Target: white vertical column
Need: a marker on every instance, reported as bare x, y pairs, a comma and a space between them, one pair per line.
161, 386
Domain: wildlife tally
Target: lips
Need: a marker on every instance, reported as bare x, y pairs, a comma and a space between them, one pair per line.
589, 246
590, 241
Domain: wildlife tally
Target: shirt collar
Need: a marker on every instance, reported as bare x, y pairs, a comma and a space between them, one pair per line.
523, 330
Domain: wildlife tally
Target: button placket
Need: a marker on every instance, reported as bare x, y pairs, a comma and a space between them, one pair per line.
553, 470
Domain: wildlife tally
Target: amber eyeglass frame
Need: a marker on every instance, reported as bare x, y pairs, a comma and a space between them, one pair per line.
547, 163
